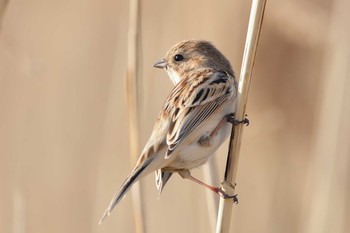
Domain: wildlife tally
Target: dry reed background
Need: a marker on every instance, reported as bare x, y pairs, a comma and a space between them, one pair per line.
63, 117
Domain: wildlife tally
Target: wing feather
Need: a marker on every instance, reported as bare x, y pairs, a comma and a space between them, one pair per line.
194, 99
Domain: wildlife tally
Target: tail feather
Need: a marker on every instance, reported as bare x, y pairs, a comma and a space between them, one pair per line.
162, 178
130, 180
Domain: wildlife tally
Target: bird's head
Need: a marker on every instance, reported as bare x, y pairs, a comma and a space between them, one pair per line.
190, 55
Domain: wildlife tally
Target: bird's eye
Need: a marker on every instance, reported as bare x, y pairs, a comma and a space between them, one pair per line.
178, 57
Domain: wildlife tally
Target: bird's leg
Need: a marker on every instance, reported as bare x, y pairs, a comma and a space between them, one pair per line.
231, 118
185, 174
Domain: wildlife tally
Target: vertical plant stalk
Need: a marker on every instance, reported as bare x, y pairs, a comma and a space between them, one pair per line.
327, 177
133, 79
253, 33
210, 176
3, 7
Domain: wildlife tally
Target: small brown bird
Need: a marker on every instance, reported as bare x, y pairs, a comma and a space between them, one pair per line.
194, 120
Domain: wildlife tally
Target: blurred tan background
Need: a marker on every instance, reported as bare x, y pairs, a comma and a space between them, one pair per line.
63, 117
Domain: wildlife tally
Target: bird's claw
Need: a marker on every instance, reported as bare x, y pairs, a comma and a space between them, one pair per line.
231, 118
235, 199
226, 196
245, 121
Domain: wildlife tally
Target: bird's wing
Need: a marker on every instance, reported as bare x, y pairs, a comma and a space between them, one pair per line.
193, 100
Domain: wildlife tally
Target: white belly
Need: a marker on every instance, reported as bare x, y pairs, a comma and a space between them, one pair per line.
195, 154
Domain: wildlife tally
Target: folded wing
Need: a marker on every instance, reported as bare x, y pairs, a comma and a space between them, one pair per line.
194, 99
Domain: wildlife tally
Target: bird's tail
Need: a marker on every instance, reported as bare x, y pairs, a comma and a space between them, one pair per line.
162, 178
130, 180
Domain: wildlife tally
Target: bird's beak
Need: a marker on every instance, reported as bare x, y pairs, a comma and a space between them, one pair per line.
160, 64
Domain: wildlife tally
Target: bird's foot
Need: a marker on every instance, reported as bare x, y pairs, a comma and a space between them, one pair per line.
231, 118
226, 190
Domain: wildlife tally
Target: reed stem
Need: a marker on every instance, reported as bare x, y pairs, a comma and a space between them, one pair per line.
253, 33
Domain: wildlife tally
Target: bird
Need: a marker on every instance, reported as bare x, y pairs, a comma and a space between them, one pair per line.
194, 121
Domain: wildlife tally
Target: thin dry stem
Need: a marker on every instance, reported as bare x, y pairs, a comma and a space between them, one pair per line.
327, 170
254, 27
210, 175
3, 7
133, 77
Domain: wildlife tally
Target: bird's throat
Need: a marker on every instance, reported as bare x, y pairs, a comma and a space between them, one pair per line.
173, 75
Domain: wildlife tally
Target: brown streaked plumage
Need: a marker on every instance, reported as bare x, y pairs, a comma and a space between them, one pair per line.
193, 121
